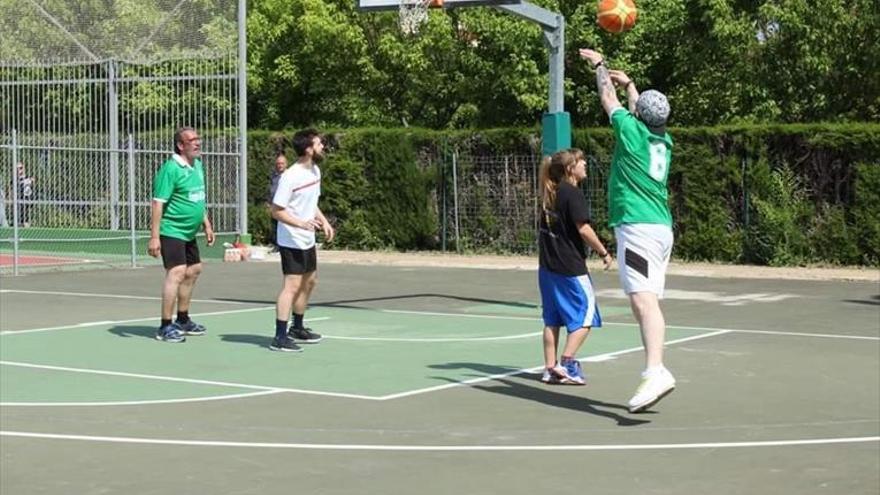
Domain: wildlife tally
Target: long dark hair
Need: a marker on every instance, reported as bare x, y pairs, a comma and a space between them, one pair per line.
555, 169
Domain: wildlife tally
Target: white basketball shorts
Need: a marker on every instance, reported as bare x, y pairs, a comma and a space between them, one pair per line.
643, 251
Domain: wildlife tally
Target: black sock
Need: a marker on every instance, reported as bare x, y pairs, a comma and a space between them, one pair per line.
297, 321
182, 316
165, 322
280, 329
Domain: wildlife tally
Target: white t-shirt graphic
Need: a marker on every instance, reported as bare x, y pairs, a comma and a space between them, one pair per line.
298, 191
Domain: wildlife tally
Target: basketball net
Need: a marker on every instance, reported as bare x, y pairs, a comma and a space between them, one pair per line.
413, 13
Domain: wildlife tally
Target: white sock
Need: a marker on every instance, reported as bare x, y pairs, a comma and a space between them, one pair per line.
653, 370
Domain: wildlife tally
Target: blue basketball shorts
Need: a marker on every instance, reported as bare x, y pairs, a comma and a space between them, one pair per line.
568, 301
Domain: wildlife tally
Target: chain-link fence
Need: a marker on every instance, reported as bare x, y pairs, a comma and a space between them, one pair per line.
90, 97
491, 203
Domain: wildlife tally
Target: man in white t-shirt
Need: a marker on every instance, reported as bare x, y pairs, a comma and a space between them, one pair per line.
295, 206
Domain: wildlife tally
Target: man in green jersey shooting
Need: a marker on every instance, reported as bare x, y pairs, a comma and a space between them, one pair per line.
639, 214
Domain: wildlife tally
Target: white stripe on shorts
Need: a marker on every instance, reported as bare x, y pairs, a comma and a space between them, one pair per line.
587, 286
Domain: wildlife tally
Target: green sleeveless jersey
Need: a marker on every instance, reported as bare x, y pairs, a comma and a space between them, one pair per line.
639, 168
181, 188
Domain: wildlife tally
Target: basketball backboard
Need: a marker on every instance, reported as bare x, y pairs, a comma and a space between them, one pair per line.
368, 5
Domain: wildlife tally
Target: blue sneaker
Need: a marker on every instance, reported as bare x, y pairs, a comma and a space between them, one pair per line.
190, 328
570, 372
170, 333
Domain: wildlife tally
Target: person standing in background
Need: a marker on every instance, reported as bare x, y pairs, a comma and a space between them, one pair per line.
178, 211
278, 168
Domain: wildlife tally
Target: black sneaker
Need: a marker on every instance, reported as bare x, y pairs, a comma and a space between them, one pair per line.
304, 335
284, 345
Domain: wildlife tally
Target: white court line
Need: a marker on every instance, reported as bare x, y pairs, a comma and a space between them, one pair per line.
438, 448
804, 334
599, 357
462, 315
766, 332
425, 313
628, 324
140, 402
135, 320
114, 296
439, 339
185, 380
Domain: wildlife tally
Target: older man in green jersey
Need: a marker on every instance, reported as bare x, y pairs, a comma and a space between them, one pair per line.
639, 214
178, 211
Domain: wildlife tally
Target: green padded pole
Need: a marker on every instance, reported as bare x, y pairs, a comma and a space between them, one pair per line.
556, 128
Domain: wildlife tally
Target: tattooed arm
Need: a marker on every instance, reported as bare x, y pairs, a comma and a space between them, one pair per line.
607, 93
619, 78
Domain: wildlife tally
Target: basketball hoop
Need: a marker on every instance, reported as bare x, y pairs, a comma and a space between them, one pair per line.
413, 13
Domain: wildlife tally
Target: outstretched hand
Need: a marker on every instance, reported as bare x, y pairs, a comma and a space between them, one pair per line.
619, 78
593, 56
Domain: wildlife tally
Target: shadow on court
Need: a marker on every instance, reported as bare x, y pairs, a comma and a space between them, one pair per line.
347, 303
150, 333
541, 394
247, 338
873, 301
134, 331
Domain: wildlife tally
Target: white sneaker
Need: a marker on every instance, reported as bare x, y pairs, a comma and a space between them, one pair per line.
654, 387
570, 374
549, 378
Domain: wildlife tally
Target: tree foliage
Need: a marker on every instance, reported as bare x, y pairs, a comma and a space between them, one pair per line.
720, 61
322, 62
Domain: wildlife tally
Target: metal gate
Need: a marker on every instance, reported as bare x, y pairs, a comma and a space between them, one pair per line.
90, 103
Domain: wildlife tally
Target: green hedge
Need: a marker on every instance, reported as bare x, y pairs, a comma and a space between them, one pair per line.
771, 194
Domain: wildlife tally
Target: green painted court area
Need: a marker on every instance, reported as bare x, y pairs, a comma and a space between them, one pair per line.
366, 352
428, 377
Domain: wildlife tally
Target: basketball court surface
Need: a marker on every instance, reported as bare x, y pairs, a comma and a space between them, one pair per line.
428, 380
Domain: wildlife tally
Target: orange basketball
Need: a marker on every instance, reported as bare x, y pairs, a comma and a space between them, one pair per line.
616, 16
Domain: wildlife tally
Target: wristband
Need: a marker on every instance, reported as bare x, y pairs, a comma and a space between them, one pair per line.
601, 62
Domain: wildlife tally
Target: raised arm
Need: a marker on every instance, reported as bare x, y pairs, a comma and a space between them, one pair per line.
620, 79
607, 93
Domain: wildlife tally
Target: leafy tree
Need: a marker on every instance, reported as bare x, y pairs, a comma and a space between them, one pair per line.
322, 62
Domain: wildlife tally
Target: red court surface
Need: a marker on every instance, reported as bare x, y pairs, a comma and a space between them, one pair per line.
6, 260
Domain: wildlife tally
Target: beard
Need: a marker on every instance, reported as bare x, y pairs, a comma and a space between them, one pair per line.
318, 157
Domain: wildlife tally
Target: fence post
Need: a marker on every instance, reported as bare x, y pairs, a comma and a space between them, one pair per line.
113, 132
443, 213
455, 200
131, 210
242, 118
745, 205
15, 205
537, 202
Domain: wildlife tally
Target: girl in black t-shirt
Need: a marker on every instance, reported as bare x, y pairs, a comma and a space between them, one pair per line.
567, 295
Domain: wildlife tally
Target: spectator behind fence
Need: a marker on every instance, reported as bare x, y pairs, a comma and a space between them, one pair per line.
279, 167
25, 195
